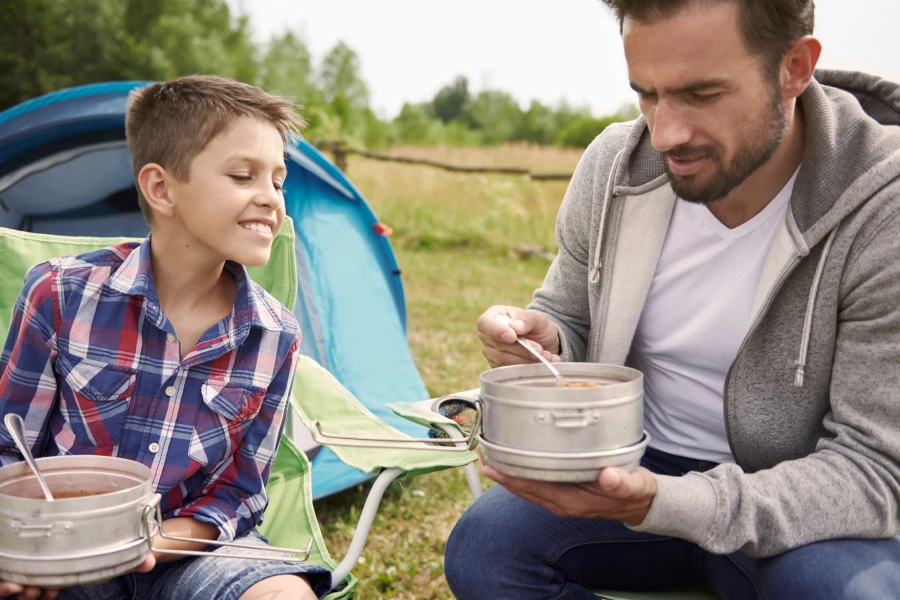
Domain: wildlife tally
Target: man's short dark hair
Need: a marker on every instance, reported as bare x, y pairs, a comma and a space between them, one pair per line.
769, 26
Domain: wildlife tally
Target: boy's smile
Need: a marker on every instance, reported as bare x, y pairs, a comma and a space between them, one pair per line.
232, 202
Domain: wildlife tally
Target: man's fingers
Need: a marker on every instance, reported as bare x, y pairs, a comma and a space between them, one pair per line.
32, 593
8, 588
497, 358
616, 482
495, 328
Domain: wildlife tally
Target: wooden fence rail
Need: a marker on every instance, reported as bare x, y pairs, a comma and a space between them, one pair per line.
340, 150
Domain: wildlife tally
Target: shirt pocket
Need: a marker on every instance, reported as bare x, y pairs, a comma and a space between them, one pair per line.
94, 398
226, 410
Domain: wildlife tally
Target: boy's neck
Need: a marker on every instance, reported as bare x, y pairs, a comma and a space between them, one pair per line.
185, 280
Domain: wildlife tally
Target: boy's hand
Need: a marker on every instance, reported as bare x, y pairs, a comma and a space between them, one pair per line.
22, 592
9, 589
148, 565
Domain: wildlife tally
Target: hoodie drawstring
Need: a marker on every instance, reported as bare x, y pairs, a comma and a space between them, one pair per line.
810, 309
604, 209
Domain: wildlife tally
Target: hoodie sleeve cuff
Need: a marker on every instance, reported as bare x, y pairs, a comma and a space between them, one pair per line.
567, 351
684, 507
565, 355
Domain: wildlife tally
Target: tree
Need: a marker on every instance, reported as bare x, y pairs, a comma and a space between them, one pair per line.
495, 113
287, 69
538, 124
449, 102
581, 132
345, 94
48, 44
340, 77
415, 124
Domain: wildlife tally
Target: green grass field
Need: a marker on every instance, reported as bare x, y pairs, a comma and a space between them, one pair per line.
459, 242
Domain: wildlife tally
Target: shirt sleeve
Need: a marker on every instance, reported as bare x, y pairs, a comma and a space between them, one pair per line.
233, 498
27, 380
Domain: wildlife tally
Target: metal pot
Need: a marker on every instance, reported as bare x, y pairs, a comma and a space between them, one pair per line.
523, 408
558, 466
74, 540
86, 538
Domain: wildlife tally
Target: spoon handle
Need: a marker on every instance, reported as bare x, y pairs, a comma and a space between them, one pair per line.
16, 427
559, 378
540, 357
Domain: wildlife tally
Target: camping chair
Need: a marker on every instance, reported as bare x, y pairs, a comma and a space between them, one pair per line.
318, 399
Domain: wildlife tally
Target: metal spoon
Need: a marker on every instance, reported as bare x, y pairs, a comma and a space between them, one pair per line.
560, 381
16, 427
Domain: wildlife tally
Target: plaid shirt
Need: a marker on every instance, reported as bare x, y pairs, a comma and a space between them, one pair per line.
93, 366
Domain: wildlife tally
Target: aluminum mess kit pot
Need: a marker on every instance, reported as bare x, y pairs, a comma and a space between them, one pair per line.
101, 523
531, 427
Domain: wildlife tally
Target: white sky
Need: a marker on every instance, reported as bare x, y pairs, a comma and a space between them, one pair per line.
534, 49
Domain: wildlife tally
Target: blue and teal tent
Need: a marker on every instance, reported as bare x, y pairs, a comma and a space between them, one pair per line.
65, 169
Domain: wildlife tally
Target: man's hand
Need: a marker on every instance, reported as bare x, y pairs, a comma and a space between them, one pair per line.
617, 494
500, 347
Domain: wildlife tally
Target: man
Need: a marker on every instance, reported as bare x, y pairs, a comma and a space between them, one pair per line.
739, 245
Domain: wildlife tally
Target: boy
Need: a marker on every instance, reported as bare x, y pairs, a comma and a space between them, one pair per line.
165, 352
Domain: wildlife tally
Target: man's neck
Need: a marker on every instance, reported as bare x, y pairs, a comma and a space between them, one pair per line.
753, 195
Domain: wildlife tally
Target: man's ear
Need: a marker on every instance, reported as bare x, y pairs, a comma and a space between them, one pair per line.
798, 66
154, 183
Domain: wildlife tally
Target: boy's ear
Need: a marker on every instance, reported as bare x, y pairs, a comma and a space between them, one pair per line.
154, 183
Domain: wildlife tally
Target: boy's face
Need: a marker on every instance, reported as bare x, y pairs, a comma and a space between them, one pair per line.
232, 203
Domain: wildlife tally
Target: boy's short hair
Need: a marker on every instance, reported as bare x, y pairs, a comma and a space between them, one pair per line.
171, 122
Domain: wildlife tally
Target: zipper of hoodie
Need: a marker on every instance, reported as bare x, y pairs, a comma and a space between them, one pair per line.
606, 251
785, 273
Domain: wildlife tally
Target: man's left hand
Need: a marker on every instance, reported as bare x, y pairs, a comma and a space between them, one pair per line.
616, 494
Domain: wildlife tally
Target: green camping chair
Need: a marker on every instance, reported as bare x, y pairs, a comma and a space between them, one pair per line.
317, 399
335, 418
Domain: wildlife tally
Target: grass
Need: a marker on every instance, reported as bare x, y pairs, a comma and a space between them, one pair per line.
458, 240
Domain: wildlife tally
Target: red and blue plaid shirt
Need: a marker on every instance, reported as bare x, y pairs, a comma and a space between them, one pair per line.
93, 366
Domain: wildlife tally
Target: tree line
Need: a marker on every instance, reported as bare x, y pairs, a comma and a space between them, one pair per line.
48, 45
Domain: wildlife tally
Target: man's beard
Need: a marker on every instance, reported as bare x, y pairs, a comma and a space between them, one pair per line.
770, 130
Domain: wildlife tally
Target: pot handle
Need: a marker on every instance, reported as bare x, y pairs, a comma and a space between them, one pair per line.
153, 509
332, 439
567, 419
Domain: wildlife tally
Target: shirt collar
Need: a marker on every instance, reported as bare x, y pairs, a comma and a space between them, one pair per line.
252, 306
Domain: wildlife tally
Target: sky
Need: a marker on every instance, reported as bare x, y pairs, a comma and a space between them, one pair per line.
535, 49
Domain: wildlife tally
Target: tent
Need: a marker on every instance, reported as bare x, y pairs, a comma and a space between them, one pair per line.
65, 169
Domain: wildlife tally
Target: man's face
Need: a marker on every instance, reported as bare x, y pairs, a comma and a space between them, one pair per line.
232, 204
711, 110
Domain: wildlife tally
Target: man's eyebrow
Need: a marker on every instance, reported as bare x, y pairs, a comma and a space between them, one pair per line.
696, 86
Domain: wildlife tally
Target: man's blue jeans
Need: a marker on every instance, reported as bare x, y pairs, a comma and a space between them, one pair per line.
506, 547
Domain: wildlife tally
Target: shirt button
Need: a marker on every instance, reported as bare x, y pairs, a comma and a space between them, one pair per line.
154, 448
170, 391
171, 338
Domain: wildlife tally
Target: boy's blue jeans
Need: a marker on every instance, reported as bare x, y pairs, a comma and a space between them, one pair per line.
506, 547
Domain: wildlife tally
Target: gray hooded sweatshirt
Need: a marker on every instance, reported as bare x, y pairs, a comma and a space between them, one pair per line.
812, 399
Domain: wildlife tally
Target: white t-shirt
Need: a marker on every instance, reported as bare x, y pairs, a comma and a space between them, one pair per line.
695, 318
